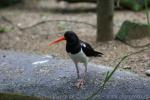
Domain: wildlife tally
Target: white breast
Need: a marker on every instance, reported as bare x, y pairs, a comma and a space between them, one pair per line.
79, 57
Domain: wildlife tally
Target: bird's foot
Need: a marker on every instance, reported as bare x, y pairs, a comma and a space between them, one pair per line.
79, 84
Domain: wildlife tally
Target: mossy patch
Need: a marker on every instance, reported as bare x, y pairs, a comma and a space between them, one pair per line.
130, 30
10, 96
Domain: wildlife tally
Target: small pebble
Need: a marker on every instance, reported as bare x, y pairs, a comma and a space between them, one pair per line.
4, 56
127, 67
147, 72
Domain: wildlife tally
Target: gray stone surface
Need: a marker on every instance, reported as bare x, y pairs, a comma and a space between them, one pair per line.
36, 75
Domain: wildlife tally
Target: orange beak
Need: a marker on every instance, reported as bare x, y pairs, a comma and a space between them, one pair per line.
57, 40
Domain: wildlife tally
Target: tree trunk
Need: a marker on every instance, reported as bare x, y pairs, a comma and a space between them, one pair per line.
105, 9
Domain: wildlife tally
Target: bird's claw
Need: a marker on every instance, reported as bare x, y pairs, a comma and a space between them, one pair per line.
79, 84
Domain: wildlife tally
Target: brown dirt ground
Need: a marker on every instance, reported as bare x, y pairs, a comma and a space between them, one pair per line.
35, 39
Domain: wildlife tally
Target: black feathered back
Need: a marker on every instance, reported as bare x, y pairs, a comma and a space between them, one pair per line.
89, 51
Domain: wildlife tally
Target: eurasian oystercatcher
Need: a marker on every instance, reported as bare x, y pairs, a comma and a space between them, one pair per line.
78, 50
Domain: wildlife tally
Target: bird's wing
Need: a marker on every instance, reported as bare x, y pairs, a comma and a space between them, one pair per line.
89, 51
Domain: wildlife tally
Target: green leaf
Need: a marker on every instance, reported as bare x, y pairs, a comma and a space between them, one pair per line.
3, 30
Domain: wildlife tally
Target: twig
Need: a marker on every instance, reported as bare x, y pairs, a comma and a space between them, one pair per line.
71, 21
133, 46
51, 20
44, 21
146, 10
9, 21
118, 3
109, 74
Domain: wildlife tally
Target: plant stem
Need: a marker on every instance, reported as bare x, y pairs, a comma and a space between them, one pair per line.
146, 10
109, 75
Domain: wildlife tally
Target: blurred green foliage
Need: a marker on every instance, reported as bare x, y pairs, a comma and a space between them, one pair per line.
135, 5
4, 3
3, 29
130, 30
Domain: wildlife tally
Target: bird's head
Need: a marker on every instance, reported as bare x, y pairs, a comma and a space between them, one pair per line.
69, 36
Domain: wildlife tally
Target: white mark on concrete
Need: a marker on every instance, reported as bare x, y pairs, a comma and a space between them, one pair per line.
47, 56
40, 62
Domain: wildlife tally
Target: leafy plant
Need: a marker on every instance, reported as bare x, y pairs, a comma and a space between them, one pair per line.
109, 74
107, 78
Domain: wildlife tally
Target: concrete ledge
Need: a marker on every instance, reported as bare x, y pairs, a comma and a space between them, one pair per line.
47, 76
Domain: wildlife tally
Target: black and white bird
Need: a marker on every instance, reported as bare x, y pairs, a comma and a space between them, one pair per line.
78, 50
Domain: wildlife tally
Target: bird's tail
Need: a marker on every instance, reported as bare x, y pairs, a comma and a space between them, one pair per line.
98, 54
